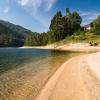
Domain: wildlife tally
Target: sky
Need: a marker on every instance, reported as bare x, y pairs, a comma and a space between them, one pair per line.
36, 15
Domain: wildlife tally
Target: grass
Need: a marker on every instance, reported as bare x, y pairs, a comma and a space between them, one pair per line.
80, 37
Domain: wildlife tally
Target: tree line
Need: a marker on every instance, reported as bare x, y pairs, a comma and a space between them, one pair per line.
60, 27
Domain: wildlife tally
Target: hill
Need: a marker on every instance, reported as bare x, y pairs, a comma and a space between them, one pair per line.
15, 28
9, 37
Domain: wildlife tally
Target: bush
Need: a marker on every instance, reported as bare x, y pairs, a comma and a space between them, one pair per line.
79, 35
96, 31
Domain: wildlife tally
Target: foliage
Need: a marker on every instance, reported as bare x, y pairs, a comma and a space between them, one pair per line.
9, 37
16, 28
36, 39
62, 26
82, 36
96, 26
15, 36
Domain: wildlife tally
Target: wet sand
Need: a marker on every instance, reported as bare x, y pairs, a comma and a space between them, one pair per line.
74, 80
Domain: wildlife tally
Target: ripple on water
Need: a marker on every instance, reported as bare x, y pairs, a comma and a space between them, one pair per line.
25, 81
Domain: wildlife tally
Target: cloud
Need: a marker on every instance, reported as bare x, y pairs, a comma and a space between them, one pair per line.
23, 2
89, 16
6, 10
38, 9
36, 4
49, 4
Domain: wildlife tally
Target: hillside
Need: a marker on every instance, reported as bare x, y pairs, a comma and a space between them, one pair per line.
9, 37
15, 28
4, 29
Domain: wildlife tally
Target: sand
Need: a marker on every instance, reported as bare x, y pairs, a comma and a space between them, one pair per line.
94, 63
74, 80
84, 47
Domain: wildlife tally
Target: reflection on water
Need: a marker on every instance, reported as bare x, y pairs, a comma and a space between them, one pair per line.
23, 72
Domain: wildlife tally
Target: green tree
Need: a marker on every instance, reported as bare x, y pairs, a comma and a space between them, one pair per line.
62, 26
56, 28
95, 25
56, 21
76, 21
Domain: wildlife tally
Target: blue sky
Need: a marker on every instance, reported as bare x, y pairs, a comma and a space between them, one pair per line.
36, 14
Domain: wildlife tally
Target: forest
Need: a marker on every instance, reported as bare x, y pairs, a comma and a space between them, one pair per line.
61, 27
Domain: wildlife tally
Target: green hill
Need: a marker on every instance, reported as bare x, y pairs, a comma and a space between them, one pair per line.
15, 28
9, 37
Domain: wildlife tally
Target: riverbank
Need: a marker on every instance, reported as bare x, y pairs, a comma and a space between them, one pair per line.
74, 80
81, 47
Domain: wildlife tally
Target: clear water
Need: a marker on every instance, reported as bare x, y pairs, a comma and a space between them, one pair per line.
23, 72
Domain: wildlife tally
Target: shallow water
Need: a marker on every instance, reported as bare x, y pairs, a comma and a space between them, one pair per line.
23, 72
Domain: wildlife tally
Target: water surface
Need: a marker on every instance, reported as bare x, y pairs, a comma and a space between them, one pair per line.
23, 72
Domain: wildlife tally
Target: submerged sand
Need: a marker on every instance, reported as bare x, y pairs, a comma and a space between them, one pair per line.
74, 80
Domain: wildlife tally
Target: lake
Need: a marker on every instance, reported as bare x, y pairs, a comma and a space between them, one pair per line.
23, 72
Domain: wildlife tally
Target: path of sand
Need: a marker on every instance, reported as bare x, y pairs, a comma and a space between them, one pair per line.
73, 81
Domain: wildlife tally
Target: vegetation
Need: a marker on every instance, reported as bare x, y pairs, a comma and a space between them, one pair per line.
91, 36
9, 37
96, 26
36, 39
67, 28
16, 28
62, 26
15, 36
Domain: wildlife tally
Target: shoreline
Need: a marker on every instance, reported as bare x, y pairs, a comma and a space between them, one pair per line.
77, 77
77, 47
69, 83
68, 48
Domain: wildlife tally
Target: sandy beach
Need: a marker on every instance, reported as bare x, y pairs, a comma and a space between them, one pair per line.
81, 47
76, 79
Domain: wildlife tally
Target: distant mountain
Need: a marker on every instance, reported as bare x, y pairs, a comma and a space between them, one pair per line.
10, 37
4, 29
15, 28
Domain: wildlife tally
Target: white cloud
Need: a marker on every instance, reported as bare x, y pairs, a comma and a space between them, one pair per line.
49, 4
23, 2
37, 9
6, 10
36, 4
89, 16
